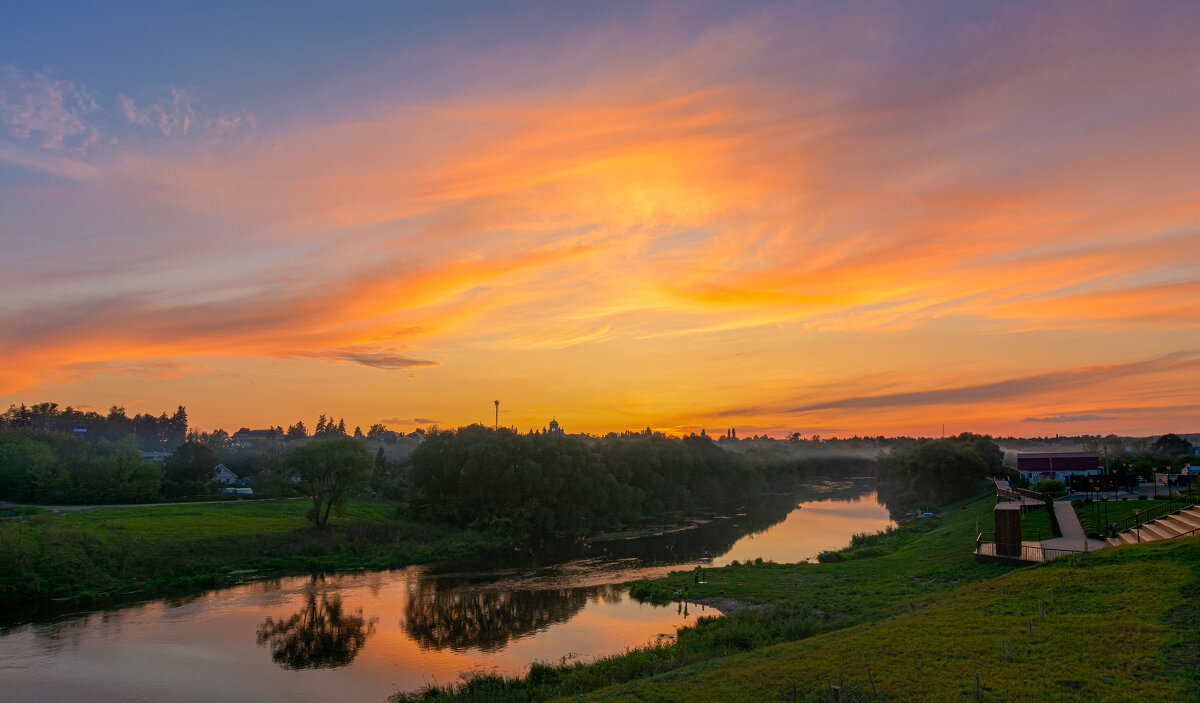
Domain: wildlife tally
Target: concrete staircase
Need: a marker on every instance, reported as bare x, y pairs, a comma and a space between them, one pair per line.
1163, 528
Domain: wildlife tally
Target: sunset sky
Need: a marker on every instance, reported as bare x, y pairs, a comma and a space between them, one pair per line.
827, 218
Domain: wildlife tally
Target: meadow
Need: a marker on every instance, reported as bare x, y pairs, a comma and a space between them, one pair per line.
87, 556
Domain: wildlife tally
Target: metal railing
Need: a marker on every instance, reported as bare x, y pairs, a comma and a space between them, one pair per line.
1033, 553
1152, 513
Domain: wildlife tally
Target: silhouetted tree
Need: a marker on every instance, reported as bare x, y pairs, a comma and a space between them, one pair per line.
1172, 445
329, 471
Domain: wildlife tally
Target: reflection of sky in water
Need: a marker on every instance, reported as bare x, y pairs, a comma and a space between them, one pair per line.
815, 527
204, 648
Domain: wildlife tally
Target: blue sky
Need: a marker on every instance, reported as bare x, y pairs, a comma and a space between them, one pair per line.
830, 218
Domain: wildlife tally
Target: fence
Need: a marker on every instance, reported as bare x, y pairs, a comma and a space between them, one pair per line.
1154, 512
988, 550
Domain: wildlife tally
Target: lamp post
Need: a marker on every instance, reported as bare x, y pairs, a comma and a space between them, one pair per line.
1104, 500
1137, 515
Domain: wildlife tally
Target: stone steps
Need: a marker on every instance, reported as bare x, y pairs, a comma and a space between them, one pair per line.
1165, 527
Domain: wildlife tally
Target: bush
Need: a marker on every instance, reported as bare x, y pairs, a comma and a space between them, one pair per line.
1052, 488
650, 591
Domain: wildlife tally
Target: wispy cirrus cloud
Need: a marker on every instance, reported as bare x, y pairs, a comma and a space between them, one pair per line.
410, 421
45, 110
1084, 417
152, 369
822, 189
1185, 363
175, 113
374, 358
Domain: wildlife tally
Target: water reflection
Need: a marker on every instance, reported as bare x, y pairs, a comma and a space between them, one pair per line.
321, 635
445, 616
435, 625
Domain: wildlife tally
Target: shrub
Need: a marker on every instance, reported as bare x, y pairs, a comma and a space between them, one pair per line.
1051, 488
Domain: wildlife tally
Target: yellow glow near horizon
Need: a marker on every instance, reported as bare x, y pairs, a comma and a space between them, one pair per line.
801, 236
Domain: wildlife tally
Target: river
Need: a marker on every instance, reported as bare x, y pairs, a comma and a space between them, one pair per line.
364, 636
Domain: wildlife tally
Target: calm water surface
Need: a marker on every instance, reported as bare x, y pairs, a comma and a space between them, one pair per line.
361, 637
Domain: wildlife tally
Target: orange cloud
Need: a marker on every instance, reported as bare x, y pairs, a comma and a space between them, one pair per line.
1004, 192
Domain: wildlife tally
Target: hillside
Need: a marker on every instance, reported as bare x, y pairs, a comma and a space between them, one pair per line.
1118, 625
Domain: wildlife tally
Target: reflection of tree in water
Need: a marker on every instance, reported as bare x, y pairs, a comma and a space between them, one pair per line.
321, 635
488, 620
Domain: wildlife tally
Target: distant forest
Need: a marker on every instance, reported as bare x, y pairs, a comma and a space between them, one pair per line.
532, 484
537, 485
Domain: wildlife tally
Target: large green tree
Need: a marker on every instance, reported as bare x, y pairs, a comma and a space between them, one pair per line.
938, 471
329, 471
191, 462
1172, 445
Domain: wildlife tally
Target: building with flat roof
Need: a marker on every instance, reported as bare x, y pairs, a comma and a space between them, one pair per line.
1044, 466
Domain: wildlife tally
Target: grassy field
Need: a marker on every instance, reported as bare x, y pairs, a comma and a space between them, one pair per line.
909, 616
1115, 625
1092, 515
84, 555
877, 577
1032, 520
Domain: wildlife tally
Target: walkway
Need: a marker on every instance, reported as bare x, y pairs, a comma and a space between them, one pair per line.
1073, 536
78, 508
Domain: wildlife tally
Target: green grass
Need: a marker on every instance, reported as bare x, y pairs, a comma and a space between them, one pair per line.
1032, 520
1092, 515
912, 605
1119, 626
82, 555
878, 576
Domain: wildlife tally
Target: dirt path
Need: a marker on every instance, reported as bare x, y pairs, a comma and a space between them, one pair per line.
78, 508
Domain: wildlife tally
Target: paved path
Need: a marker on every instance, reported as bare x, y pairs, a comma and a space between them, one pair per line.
1073, 536
77, 508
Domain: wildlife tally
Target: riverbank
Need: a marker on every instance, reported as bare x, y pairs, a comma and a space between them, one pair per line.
908, 615
1115, 625
50, 561
878, 576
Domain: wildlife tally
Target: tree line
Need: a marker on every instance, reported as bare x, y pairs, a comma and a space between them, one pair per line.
540, 485
148, 431
937, 471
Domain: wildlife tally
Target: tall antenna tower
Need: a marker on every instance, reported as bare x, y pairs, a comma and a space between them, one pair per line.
496, 424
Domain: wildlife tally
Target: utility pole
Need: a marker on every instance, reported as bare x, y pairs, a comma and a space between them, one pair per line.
496, 424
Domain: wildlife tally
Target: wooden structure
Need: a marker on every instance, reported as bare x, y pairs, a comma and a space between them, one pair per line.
1008, 527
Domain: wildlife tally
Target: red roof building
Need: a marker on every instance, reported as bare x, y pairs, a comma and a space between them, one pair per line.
1043, 466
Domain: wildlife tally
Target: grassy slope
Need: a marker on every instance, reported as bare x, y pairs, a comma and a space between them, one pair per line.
884, 576
1122, 626
922, 615
911, 567
80, 555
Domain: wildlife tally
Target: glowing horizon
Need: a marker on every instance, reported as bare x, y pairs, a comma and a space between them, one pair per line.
839, 219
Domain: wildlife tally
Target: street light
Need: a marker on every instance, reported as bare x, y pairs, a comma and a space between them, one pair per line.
1137, 514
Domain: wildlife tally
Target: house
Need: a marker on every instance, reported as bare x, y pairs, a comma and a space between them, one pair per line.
1045, 466
417, 436
247, 437
224, 475
159, 458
